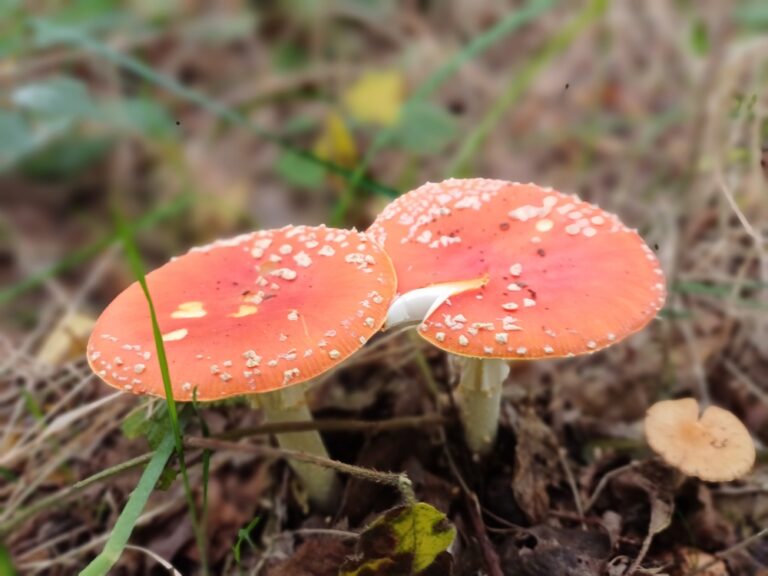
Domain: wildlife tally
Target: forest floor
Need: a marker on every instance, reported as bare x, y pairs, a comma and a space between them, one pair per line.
186, 119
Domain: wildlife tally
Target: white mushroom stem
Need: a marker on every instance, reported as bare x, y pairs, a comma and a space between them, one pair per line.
479, 400
290, 405
482, 378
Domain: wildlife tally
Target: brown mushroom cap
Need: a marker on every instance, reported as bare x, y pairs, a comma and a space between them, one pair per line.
715, 447
563, 276
252, 314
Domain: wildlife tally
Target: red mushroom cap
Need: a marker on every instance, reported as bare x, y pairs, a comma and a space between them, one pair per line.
563, 276
252, 314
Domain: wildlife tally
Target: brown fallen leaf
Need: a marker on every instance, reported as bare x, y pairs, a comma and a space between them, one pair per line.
536, 466
546, 551
687, 560
659, 485
319, 556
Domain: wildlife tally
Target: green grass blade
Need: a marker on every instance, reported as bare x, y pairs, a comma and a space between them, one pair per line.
513, 21
118, 539
6, 562
556, 46
76, 37
244, 535
138, 270
84, 254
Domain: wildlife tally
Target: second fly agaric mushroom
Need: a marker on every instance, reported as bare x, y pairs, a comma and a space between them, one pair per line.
258, 314
497, 271
714, 446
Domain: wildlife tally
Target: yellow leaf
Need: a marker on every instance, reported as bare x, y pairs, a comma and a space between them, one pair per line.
67, 340
376, 98
404, 540
335, 142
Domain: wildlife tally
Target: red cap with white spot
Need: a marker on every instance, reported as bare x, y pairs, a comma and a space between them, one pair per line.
252, 314
556, 276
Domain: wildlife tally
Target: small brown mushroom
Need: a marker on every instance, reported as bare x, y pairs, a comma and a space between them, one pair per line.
715, 447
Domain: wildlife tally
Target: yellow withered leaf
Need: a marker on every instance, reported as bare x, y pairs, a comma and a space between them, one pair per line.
411, 539
335, 143
376, 98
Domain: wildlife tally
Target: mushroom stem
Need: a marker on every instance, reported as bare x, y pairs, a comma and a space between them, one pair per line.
290, 405
480, 401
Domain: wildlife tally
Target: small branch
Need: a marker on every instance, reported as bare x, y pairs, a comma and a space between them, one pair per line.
728, 551
646, 545
370, 426
63, 496
394, 479
572, 482
475, 512
604, 482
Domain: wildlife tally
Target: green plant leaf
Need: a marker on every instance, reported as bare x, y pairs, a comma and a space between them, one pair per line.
138, 115
130, 515
154, 427
134, 258
752, 14
14, 135
699, 38
299, 171
6, 562
425, 128
244, 535
60, 96
405, 540
64, 157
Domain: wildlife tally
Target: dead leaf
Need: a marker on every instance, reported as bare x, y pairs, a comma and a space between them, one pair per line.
536, 466
657, 482
687, 560
546, 551
335, 142
411, 539
67, 340
376, 98
314, 557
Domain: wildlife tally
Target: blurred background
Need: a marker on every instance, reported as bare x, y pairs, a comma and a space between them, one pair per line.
194, 120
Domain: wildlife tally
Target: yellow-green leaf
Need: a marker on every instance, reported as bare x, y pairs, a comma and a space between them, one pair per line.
376, 98
405, 540
335, 142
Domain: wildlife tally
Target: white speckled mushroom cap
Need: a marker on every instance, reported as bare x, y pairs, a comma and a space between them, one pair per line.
251, 314
715, 447
563, 276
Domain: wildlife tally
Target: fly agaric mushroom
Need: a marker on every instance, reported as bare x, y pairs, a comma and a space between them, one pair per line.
497, 271
715, 447
257, 314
